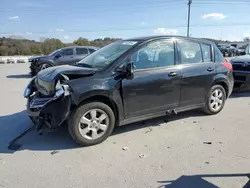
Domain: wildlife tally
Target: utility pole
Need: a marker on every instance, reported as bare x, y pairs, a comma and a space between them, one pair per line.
189, 6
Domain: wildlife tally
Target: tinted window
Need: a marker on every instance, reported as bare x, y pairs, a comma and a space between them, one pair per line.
91, 50
206, 52
155, 54
190, 52
81, 51
218, 55
67, 52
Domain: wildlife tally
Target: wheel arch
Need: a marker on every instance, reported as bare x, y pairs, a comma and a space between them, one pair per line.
104, 99
224, 83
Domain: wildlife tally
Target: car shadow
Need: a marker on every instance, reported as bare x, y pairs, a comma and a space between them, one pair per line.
199, 181
19, 76
13, 125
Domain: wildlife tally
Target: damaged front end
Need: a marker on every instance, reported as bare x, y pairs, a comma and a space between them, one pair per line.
49, 95
45, 106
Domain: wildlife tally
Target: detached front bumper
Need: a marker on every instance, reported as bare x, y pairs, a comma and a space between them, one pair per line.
53, 111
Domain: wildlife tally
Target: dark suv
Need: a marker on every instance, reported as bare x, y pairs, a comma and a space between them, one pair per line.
129, 81
241, 69
63, 56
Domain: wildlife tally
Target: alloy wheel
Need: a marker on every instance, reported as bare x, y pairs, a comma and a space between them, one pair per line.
44, 66
93, 124
216, 100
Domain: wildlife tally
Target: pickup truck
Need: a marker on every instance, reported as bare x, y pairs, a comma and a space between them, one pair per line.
63, 56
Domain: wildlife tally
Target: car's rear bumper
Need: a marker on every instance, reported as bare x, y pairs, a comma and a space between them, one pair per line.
51, 111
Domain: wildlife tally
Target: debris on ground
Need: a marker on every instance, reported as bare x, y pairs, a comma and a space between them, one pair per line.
168, 147
207, 162
149, 130
125, 148
195, 121
114, 142
145, 146
54, 152
142, 156
220, 142
220, 150
207, 143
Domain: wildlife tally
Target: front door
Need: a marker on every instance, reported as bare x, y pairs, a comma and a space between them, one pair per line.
156, 83
198, 71
66, 57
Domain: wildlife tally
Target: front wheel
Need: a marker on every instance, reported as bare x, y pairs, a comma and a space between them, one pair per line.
215, 100
91, 123
42, 66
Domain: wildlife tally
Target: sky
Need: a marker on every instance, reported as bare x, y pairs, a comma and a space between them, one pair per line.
71, 19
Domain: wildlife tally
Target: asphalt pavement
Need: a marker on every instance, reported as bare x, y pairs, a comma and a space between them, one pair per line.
189, 150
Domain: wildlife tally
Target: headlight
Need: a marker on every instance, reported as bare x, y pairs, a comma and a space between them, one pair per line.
58, 85
27, 90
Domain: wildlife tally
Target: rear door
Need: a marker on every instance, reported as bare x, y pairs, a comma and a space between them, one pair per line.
81, 53
198, 71
67, 57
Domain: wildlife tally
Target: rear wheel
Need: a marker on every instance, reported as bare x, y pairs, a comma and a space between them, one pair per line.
91, 123
215, 100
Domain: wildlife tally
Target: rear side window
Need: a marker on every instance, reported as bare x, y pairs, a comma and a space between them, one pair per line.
206, 52
81, 51
218, 55
190, 52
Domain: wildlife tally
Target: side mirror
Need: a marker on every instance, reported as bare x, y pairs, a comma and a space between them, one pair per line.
130, 70
58, 55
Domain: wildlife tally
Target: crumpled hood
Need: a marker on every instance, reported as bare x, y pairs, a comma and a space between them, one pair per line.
52, 73
244, 58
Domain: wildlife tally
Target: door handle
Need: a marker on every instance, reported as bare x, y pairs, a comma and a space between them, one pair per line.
210, 69
172, 74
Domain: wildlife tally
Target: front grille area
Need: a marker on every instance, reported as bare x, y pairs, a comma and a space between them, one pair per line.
241, 66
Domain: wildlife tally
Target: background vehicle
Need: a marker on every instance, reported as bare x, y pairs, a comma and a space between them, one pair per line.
241, 69
129, 81
63, 56
228, 50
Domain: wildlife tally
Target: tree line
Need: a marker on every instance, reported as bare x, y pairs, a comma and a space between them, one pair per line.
10, 47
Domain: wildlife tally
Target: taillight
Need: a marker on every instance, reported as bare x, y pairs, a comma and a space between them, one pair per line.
227, 65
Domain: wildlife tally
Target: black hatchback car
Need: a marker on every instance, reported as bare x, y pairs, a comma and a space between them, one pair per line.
129, 81
63, 56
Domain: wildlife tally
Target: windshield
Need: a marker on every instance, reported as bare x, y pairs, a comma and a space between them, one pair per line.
106, 55
53, 53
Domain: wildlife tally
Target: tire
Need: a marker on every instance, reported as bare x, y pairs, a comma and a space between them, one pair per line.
209, 101
87, 138
42, 66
